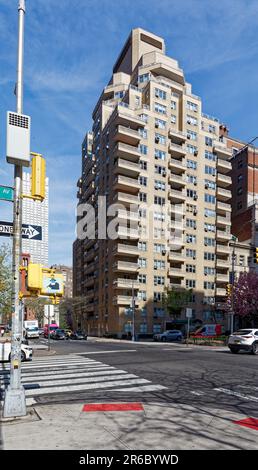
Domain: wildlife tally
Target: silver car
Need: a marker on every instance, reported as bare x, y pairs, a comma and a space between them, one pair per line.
169, 335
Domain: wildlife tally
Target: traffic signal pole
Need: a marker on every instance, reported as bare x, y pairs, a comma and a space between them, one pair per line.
14, 402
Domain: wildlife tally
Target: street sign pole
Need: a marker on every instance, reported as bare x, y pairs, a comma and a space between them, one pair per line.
189, 314
14, 402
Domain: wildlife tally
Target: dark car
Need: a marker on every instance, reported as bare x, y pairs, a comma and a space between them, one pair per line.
78, 335
58, 334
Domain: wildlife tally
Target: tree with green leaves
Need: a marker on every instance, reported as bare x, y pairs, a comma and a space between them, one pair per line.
174, 300
5, 284
37, 304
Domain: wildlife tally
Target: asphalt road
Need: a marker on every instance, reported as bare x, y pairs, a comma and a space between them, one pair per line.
190, 374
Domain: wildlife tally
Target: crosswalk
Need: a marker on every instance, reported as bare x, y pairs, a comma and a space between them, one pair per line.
64, 374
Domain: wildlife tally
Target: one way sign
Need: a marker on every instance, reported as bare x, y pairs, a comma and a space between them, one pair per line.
33, 232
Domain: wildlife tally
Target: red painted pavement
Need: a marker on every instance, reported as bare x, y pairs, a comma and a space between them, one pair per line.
248, 423
113, 407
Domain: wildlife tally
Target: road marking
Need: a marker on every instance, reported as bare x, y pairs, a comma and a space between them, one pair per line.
248, 423
87, 372
198, 393
236, 394
93, 407
179, 349
106, 352
73, 376
145, 388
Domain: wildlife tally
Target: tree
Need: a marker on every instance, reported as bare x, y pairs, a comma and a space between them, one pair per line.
37, 304
176, 299
5, 284
70, 311
245, 297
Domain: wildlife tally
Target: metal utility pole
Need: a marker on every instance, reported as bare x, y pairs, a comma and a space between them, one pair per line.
14, 402
133, 312
232, 288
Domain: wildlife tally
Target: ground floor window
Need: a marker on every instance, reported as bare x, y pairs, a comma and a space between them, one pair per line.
156, 328
143, 328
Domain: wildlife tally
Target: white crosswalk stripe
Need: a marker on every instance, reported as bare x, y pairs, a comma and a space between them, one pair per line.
64, 374
237, 394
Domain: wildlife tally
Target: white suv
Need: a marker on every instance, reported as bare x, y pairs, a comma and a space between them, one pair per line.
5, 352
244, 339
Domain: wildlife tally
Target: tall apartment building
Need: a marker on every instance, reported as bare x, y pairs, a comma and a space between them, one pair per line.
35, 213
67, 273
152, 146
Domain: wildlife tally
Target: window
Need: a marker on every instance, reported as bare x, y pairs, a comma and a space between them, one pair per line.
208, 141
159, 280
192, 164
210, 184
143, 165
191, 120
208, 285
209, 198
159, 200
241, 260
143, 328
119, 94
159, 264
209, 241
240, 178
191, 253
210, 156
143, 197
157, 296
156, 328
212, 129
143, 213
159, 312
160, 185
160, 154
160, 139
239, 191
159, 216
144, 78
240, 164
142, 246
142, 278
173, 119
143, 312
192, 106
160, 108
160, 248
191, 208
159, 232
143, 149
142, 262
208, 300
191, 179
192, 136
160, 124
190, 268
191, 193
143, 132
209, 256
190, 238
173, 104
209, 270
210, 228
142, 295
190, 283
143, 180
144, 117
210, 170
160, 94
161, 170
209, 212
239, 205
191, 223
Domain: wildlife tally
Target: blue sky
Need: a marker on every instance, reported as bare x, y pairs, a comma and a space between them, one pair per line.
70, 49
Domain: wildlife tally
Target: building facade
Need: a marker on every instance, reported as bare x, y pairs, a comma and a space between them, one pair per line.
67, 273
154, 153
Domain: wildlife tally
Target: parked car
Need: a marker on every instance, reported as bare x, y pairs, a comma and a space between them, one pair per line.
78, 335
246, 339
5, 352
59, 334
169, 335
41, 331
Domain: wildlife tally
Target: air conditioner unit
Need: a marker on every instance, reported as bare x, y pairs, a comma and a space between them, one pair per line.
196, 153
195, 183
189, 121
195, 212
163, 252
164, 173
156, 125
194, 257
157, 140
156, 157
207, 186
188, 136
155, 267
206, 230
195, 197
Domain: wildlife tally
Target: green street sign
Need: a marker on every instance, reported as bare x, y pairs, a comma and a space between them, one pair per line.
6, 193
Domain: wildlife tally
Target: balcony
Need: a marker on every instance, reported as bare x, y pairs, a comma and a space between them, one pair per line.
89, 191
177, 137
177, 181
223, 166
221, 292
224, 278
128, 250
122, 283
223, 180
124, 183
127, 215
223, 222
222, 263
223, 249
222, 151
125, 167
124, 300
223, 194
177, 196
223, 208
159, 64
127, 117
126, 199
177, 225
177, 166
128, 152
125, 266
177, 150
89, 282
177, 210
176, 272
176, 257
127, 232
127, 135
223, 236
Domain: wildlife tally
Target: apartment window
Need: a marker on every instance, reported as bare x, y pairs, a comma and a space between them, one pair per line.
142, 262
159, 312
210, 184
192, 164
208, 285
191, 179
160, 139
143, 213
191, 193
191, 223
143, 328
209, 256
160, 108
144, 117
156, 328
241, 260
160, 94
209, 241
208, 141
143, 312
210, 228
190, 238
142, 278
157, 296
161, 170
210, 156
142, 246
143, 180
207, 314
210, 170
191, 253
160, 154
173, 104
239, 205
159, 264
160, 201
159, 216
240, 178
173, 119
209, 212
143, 197
159, 232
159, 280
209, 198
159, 123
191, 120
191, 208
190, 283
142, 295
190, 268
209, 271
144, 78
239, 191
119, 94
143, 132
143, 149
192, 106
191, 135
212, 129
240, 164
143, 165
160, 185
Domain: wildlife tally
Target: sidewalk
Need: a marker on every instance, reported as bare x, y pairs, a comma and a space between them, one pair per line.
155, 427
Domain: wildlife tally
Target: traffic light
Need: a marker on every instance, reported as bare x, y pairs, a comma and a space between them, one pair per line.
255, 259
38, 176
229, 290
